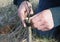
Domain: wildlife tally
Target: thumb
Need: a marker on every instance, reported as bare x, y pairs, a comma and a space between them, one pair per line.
23, 22
31, 11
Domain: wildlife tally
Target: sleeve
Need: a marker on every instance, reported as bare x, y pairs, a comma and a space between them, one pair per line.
17, 2
56, 16
45, 4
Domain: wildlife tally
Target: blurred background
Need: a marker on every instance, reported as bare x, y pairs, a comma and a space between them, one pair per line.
9, 21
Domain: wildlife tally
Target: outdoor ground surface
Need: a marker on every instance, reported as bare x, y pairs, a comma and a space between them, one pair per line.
9, 19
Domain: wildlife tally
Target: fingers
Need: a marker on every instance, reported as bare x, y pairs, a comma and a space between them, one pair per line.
40, 25
42, 21
23, 22
29, 8
23, 11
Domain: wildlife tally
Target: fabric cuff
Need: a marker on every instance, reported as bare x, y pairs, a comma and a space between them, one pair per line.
56, 16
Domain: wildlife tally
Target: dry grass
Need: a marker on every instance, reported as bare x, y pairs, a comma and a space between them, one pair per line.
9, 19
4, 3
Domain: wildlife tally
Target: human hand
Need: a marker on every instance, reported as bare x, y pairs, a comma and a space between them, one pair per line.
23, 11
43, 20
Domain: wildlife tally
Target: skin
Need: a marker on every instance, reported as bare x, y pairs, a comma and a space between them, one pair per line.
42, 21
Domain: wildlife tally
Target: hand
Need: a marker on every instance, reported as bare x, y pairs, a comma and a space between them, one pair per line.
23, 11
43, 20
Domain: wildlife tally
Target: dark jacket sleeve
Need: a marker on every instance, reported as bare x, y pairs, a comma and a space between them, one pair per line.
18, 2
45, 4
56, 16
